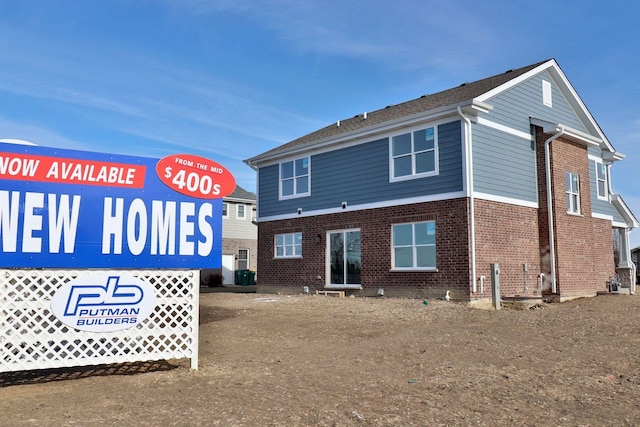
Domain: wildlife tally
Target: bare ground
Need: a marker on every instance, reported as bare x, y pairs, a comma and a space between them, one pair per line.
274, 360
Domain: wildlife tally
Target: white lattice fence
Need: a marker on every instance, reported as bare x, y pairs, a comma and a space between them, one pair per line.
31, 337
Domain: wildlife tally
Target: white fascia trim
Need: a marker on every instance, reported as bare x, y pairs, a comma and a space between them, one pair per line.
623, 209
507, 200
366, 206
238, 199
612, 157
505, 129
514, 82
567, 90
567, 131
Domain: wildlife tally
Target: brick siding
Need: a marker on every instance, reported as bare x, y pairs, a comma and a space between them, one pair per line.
583, 244
452, 251
508, 235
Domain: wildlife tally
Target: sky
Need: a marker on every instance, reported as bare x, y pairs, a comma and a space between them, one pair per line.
230, 79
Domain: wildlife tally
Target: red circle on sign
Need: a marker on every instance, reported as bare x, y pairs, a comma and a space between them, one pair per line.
195, 176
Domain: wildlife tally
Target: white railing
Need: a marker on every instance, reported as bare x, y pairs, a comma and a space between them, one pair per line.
31, 337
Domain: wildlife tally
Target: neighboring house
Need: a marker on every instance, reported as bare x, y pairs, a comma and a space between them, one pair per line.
635, 255
423, 197
239, 236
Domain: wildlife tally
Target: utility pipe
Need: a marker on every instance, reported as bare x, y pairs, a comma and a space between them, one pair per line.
552, 250
469, 155
634, 272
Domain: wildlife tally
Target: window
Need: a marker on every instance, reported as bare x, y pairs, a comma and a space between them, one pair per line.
414, 154
240, 212
572, 185
243, 259
414, 245
601, 180
547, 94
225, 210
288, 245
294, 178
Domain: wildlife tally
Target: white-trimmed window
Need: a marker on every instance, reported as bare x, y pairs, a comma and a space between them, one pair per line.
414, 246
243, 259
294, 178
572, 185
414, 154
288, 245
601, 181
240, 213
225, 210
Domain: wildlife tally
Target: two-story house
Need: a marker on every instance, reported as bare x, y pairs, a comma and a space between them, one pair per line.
414, 199
239, 238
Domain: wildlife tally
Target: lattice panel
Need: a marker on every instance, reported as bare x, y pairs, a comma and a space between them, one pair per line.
31, 337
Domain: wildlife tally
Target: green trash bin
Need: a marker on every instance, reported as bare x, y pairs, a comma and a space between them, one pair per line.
242, 277
252, 278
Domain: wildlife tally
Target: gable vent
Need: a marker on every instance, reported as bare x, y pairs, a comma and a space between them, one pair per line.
547, 94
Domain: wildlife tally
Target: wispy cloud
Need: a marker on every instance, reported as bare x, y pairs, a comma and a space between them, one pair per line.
176, 106
435, 34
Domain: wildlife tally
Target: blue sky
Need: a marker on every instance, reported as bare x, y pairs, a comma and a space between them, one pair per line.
229, 79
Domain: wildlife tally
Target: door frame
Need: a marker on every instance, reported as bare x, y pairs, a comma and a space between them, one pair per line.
327, 263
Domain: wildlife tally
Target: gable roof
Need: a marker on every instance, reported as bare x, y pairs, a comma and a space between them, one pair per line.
467, 94
240, 194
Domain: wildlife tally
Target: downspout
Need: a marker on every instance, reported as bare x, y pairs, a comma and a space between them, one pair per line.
552, 250
472, 237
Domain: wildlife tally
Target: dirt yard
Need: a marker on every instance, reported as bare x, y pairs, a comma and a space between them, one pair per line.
274, 360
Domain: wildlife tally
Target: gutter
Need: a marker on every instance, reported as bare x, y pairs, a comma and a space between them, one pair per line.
365, 133
469, 155
547, 162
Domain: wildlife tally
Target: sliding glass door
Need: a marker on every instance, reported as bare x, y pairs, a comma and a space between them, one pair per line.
343, 258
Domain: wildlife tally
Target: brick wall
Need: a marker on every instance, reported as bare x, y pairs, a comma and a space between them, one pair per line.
508, 235
583, 244
452, 251
232, 246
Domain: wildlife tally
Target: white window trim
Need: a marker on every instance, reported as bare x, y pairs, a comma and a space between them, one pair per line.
393, 252
604, 196
436, 149
577, 210
294, 195
241, 259
275, 247
225, 215
244, 213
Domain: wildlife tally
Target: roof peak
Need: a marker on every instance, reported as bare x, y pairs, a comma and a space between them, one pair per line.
464, 92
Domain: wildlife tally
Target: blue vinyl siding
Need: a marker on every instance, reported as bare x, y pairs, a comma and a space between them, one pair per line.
514, 107
594, 151
504, 165
599, 206
360, 174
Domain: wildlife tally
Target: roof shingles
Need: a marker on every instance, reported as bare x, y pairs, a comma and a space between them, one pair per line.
456, 95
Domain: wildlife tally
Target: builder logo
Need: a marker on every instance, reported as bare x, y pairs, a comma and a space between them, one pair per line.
103, 303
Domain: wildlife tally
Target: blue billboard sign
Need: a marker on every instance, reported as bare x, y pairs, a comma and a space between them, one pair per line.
76, 209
